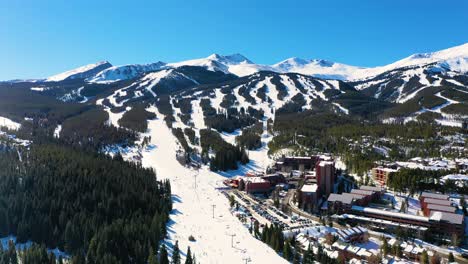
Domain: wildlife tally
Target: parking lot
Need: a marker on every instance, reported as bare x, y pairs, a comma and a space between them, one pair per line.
264, 213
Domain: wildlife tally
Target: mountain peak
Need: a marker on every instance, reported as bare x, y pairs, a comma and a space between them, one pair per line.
232, 59
323, 63
239, 58
82, 72
125, 72
214, 56
291, 63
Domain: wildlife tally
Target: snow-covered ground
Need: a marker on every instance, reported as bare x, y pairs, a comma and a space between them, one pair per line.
194, 199
459, 179
10, 124
414, 206
21, 246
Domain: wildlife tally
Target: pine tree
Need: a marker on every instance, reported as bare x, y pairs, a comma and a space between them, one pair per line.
163, 257
424, 258
287, 251
308, 257
13, 258
189, 259
52, 259
232, 200
152, 257
451, 258
176, 253
403, 206
265, 234
297, 256
463, 205
244, 157
384, 248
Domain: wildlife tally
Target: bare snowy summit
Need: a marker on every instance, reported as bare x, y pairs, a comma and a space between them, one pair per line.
125, 72
82, 72
451, 59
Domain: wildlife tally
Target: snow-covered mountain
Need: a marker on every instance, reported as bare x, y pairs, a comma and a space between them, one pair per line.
82, 72
317, 68
410, 77
414, 84
124, 72
236, 64
228, 64
453, 59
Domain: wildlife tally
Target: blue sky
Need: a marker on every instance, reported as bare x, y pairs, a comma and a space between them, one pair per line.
41, 38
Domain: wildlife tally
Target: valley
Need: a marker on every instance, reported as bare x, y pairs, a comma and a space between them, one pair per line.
203, 126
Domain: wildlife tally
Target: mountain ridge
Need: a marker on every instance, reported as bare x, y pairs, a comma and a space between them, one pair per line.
454, 58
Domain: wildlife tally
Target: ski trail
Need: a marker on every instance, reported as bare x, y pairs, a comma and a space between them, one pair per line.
193, 207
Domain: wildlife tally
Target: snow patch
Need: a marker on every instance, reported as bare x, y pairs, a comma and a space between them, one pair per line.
8, 123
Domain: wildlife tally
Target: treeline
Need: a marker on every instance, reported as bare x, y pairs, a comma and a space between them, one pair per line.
92, 129
273, 236
179, 134
87, 204
354, 138
35, 254
291, 250
88, 130
17, 101
38, 254
417, 180
294, 105
227, 120
311, 126
359, 161
251, 137
164, 105
190, 133
185, 106
136, 118
226, 155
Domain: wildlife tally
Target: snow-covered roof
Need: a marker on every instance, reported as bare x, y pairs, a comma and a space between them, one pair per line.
386, 169
309, 188
408, 249
371, 188
389, 213
441, 208
298, 157
340, 198
325, 163
340, 245
437, 201
434, 195
392, 241
364, 253
446, 217
417, 250
346, 234
456, 177
363, 192
254, 179
353, 195
316, 232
